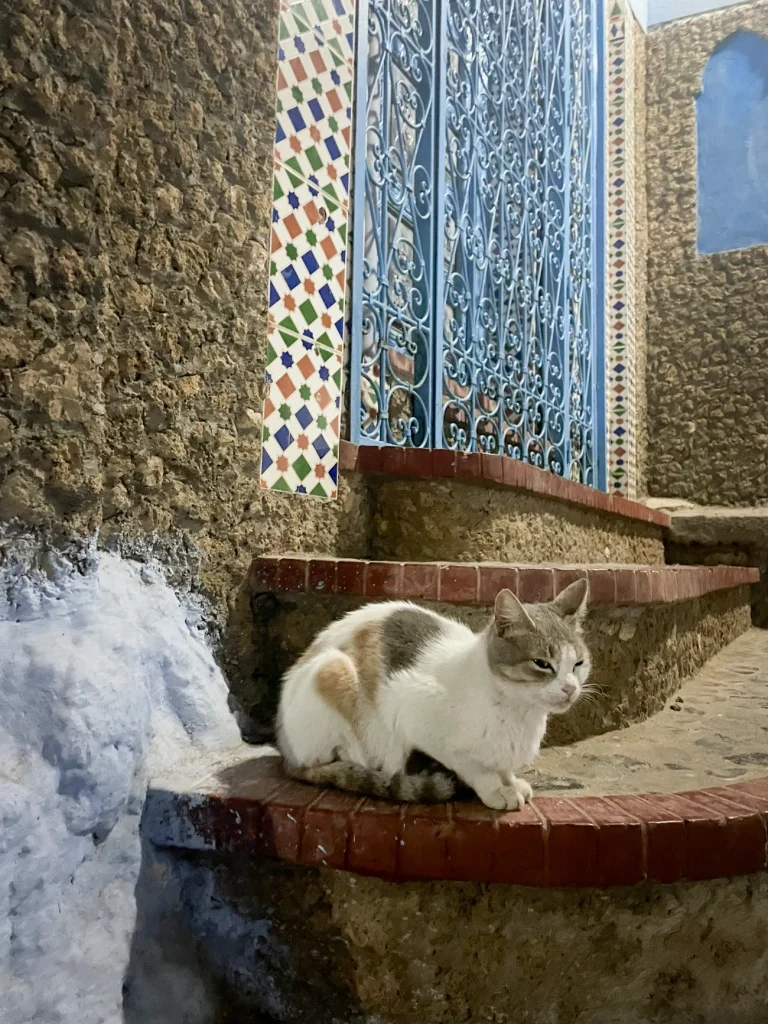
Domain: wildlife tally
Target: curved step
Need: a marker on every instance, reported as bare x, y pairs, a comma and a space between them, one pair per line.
240, 802
649, 627
425, 505
478, 583
250, 808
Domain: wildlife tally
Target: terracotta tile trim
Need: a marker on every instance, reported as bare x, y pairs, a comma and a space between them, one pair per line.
478, 583
583, 841
492, 471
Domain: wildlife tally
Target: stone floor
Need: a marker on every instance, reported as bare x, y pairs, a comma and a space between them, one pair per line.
713, 733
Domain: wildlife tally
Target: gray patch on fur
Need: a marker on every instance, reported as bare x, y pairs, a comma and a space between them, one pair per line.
517, 646
405, 634
425, 787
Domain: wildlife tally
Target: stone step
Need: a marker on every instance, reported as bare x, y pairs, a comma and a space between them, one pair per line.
648, 627
479, 583
425, 505
723, 536
492, 471
250, 808
628, 821
282, 880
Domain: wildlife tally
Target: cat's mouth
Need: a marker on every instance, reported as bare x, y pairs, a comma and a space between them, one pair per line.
566, 702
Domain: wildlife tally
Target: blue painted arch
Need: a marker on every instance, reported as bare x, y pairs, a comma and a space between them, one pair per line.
732, 146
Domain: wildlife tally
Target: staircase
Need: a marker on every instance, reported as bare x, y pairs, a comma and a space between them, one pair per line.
723, 536
660, 781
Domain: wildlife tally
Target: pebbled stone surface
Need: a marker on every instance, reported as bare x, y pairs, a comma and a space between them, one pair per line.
369, 951
434, 520
711, 732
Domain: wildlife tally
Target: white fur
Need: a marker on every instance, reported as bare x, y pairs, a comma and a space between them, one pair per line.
449, 705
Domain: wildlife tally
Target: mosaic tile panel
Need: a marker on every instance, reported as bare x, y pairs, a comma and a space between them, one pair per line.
314, 111
310, 214
308, 261
621, 413
302, 412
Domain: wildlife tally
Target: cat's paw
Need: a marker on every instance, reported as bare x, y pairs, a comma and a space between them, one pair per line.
495, 799
524, 789
508, 798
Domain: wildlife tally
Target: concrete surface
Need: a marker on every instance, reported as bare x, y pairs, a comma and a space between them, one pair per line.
714, 731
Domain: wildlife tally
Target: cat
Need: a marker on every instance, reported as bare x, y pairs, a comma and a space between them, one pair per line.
392, 682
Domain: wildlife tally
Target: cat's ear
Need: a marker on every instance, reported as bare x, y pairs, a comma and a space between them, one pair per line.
572, 602
510, 615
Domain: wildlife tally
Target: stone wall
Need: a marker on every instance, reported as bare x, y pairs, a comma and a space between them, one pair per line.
368, 950
707, 315
135, 201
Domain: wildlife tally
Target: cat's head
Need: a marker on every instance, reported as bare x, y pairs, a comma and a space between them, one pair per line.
539, 649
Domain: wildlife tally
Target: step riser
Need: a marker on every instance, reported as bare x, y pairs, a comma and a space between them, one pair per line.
431, 520
640, 654
724, 536
366, 949
729, 555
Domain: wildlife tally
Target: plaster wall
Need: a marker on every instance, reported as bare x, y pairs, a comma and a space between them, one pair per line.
105, 678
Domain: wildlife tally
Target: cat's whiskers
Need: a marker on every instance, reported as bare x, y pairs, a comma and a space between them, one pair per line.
590, 694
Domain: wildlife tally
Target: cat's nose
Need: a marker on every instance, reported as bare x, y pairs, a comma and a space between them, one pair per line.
569, 689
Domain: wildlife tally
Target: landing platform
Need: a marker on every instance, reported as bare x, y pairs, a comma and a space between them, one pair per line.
716, 733
654, 805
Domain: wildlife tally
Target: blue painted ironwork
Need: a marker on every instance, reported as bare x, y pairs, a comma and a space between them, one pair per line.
394, 237
476, 319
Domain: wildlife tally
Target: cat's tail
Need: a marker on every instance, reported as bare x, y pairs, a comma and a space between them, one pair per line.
425, 787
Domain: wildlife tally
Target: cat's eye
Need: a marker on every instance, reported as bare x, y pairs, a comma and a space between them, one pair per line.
578, 664
540, 663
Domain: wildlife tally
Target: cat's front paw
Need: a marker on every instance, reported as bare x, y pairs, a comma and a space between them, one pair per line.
508, 798
524, 789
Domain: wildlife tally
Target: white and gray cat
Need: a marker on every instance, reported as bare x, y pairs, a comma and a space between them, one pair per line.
393, 683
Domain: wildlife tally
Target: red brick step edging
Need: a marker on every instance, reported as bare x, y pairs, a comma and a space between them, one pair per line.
490, 471
478, 583
582, 841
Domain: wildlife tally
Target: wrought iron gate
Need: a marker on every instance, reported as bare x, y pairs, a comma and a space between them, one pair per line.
477, 281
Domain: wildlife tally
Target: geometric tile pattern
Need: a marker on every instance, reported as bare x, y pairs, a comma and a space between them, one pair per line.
308, 258
621, 361
302, 410
308, 261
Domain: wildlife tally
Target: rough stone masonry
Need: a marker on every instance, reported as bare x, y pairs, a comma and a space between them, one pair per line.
707, 314
135, 198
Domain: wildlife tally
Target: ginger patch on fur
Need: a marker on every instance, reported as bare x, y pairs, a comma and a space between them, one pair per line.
336, 683
365, 651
